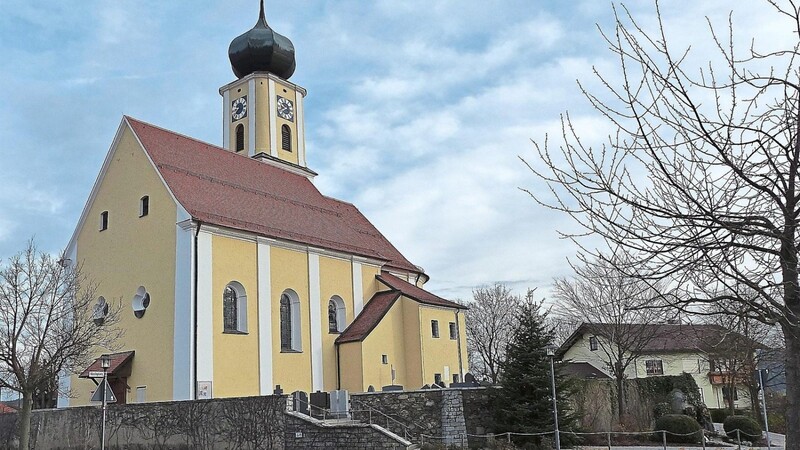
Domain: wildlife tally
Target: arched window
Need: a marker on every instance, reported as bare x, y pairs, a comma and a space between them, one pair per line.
336, 314
234, 308
286, 138
239, 137
290, 321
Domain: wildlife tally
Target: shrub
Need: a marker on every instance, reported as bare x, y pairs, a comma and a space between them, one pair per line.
661, 409
718, 415
679, 428
749, 429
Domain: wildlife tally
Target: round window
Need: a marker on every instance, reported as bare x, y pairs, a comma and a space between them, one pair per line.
140, 302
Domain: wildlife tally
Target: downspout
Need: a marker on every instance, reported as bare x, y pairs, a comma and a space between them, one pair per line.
458, 343
338, 370
194, 318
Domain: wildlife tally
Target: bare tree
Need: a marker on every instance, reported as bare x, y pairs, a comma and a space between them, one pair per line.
737, 352
46, 326
490, 322
618, 309
700, 181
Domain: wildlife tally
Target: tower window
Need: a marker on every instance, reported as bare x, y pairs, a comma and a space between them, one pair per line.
239, 137
144, 206
103, 220
453, 331
286, 138
435, 328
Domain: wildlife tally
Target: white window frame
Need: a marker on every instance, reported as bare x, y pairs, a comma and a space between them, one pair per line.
241, 307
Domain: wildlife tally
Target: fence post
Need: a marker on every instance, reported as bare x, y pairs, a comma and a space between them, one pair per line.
664, 439
702, 438
508, 437
609, 440
738, 439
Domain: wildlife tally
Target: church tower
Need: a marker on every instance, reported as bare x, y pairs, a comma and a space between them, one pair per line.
262, 110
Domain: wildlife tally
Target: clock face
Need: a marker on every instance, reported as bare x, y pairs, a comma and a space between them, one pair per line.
285, 108
239, 108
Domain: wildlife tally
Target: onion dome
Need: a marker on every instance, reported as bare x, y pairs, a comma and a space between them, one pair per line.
262, 50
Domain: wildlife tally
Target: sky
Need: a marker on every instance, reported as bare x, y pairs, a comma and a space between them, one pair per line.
418, 112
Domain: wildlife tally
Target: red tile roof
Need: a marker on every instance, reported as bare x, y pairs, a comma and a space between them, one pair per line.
418, 294
227, 189
119, 361
370, 317
5, 409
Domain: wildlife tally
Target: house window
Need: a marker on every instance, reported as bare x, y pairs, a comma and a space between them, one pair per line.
290, 321
239, 137
141, 394
435, 328
286, 138
384, 359
593, 343
654, 367
144, 206
234, 309
336, 314
453, 331
103, 220
727, 391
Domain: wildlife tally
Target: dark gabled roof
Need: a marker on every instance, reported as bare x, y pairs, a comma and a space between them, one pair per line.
414, 292
706, 338
375, 309
223, 188
583, 370
120, 365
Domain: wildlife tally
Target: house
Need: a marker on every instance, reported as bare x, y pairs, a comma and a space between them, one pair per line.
720, 361
237, 276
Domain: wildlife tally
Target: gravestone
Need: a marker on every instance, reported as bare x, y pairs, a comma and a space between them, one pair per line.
300, 402
320, 404
339, 400
371, 388
677, 401
392, 388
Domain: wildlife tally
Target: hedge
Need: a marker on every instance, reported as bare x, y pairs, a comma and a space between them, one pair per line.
680, 428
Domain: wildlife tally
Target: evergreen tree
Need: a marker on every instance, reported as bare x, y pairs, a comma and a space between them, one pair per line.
524, 403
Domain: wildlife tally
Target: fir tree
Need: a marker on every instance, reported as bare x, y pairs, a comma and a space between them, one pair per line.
524, 402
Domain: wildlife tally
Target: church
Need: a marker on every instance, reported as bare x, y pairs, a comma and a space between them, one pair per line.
237, 276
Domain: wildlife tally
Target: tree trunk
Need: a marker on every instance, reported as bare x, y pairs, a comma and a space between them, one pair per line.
792, 390
620, 398
24, 425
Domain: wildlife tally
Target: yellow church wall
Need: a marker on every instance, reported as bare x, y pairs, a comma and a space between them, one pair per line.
235, 355
335, 279
289, 270
262, 112
413, 346
352, 367
385, 339
439, 353
369, 284
290, 94
134, 251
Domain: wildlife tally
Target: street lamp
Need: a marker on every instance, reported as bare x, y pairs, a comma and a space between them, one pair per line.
551, 352
105, 363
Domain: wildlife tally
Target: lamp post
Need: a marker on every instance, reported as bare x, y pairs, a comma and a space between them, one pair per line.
551, 352
764, 404
105, 363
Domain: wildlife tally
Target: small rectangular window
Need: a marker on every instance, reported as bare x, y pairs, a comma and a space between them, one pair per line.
453, 331
654, 367
593, 343
141, 394
385, 359
103, 220
144, 206
435, 328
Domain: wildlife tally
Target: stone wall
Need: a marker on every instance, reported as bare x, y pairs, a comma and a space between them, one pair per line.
436, 415
245, 423
303, 432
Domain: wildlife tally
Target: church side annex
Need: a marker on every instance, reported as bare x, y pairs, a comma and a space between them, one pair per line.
236, 274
